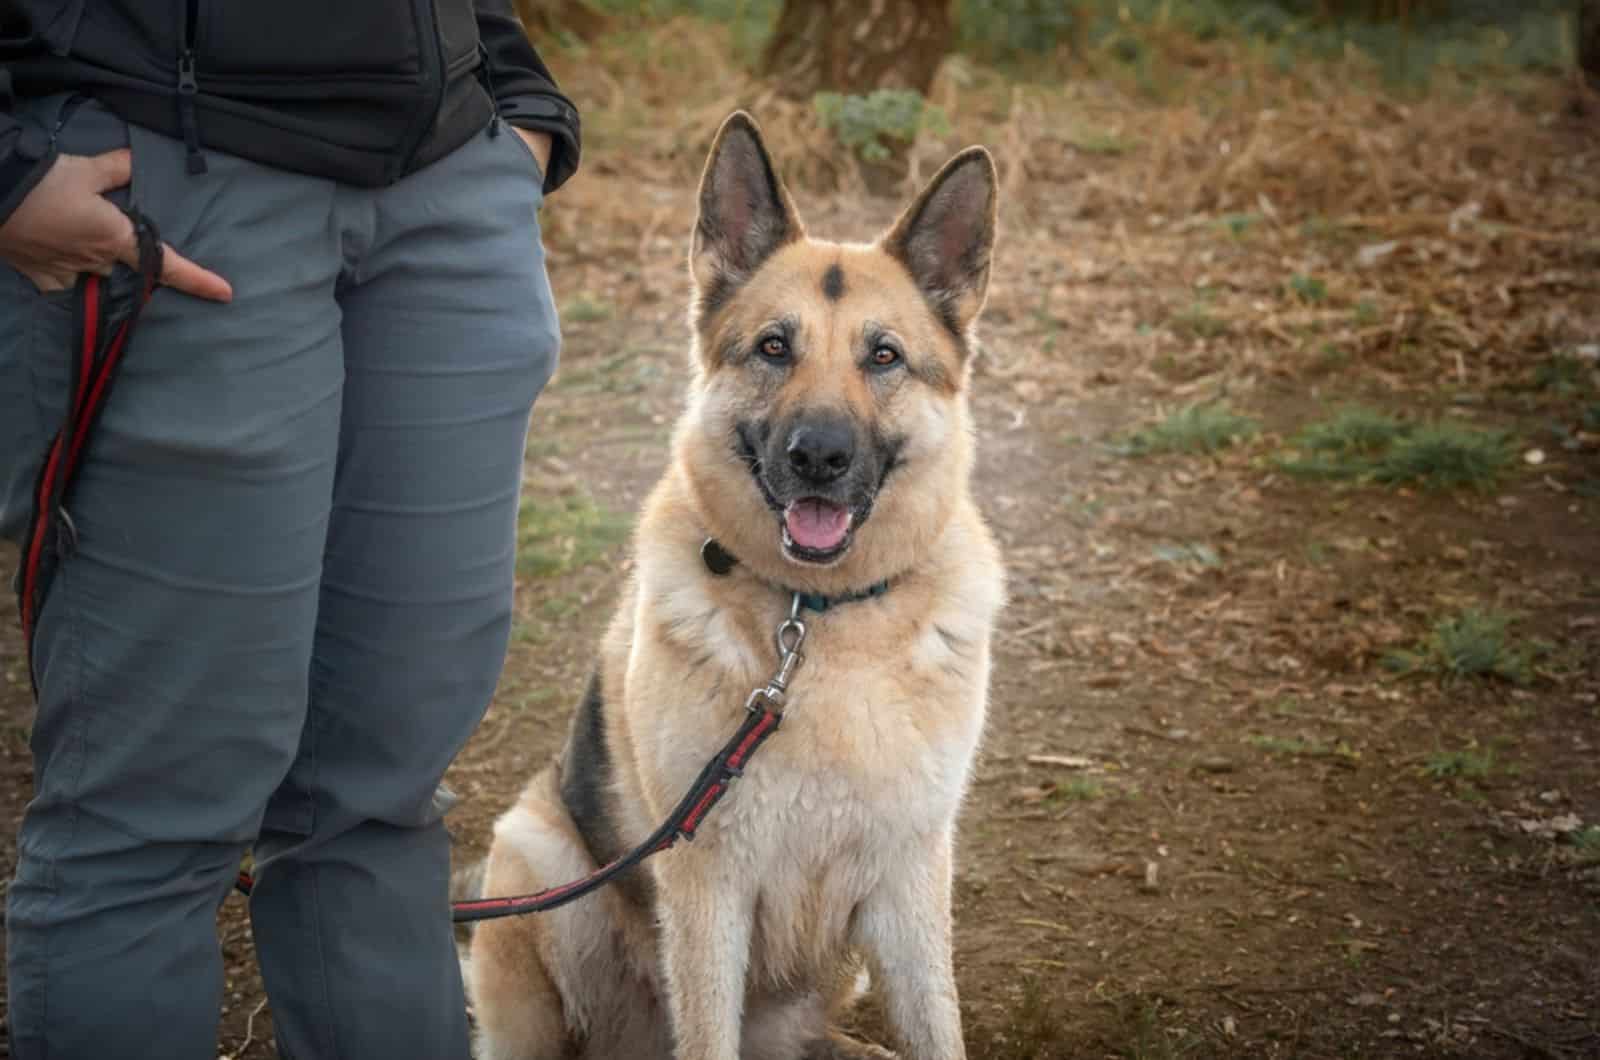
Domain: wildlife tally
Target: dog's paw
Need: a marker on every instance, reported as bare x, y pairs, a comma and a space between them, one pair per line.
840, 1046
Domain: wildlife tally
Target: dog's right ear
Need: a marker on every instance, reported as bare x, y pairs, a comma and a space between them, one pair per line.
745, 214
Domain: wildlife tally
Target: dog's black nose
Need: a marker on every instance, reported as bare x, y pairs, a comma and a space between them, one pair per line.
821, 452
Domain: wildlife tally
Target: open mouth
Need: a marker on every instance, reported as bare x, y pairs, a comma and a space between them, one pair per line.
812, 529
816, 530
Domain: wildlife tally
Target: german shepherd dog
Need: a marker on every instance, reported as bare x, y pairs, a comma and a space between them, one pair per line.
826, 449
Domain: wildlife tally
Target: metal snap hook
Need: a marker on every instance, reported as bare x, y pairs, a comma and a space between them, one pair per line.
791, 635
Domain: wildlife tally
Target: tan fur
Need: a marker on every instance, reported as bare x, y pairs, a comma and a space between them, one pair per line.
837, 844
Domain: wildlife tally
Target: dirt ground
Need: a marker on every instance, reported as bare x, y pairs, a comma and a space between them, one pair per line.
1208, 820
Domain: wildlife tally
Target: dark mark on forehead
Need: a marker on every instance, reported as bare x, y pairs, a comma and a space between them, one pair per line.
833, 283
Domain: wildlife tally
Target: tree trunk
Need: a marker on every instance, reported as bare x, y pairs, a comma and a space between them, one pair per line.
1589, 41
856, 46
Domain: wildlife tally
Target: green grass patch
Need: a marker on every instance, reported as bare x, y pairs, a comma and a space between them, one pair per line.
1473, 644
1471, 763
1198, 428
587, 309
1077, 789
1032, 1028
1361, 443
1096, 142
1562, 374
1586, 844
1237, 224
1355, 429
1446, 456
1308, 289
1147, 1031
557, 535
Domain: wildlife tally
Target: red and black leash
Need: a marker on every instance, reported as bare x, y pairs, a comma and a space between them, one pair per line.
765, 715
105, 311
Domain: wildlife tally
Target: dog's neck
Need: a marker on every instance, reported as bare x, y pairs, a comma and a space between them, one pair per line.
720, 562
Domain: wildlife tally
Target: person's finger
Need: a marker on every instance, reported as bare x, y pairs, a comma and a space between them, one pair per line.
112, 170
180, 273
177, 271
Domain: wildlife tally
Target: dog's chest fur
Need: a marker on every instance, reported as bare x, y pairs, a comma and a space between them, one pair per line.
881, 725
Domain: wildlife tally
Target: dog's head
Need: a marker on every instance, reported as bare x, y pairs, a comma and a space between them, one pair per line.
827, 439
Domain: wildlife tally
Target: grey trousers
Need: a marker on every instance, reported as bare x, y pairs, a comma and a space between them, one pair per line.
288, 606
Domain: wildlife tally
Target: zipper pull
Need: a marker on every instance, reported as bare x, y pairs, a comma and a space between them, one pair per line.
187, 85
188, 88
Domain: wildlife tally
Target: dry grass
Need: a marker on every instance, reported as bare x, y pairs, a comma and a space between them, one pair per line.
1453, 236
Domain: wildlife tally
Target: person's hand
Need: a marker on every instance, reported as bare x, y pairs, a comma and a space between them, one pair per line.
539, 144
66, 226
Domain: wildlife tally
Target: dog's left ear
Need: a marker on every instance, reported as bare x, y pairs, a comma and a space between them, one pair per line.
745, 212
945, 238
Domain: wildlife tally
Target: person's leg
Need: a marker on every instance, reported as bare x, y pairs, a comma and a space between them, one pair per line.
449, 335
172, 653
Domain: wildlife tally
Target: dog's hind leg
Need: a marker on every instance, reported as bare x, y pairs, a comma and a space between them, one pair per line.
516, 1004
519, 1016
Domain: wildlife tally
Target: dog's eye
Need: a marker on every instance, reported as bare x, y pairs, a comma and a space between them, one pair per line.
774, 348
885, 357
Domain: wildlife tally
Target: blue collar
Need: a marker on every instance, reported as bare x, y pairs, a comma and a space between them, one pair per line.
720, 561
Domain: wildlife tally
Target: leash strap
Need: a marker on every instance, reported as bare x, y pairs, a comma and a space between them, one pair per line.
763, 715
103, 322
708, 789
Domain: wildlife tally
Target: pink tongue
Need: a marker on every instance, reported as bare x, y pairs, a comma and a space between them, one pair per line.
817, 524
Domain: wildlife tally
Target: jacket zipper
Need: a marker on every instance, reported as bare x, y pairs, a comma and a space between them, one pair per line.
188, 88
486, 79
432, 78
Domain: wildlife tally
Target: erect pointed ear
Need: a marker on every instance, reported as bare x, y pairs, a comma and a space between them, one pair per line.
946, 237
745, 213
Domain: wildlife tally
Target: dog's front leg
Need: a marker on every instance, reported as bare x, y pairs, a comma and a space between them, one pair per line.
705, 948
903, 927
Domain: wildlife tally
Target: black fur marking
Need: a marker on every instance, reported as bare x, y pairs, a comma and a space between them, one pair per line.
889, 450
748, 441
833, 283
586, 778
718, 560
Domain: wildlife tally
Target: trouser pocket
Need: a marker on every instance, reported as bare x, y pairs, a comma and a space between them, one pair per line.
35, 346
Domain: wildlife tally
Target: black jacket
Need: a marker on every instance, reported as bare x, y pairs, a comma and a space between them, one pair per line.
359, 91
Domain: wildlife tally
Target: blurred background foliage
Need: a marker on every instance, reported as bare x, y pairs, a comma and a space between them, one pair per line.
1407, 39
867, 72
